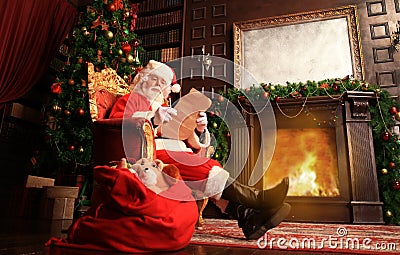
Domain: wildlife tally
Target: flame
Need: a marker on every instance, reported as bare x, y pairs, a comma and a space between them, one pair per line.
311, 165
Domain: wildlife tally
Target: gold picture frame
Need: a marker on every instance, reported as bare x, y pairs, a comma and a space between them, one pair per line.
298, 47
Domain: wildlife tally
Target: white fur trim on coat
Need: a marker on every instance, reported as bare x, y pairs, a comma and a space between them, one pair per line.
217, 179
146, 115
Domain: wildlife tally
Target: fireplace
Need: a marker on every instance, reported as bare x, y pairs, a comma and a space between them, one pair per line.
327, 152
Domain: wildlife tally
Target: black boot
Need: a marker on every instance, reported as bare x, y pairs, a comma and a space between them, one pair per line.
254, 198
255, 223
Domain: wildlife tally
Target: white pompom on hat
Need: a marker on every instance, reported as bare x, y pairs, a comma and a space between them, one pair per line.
159, 69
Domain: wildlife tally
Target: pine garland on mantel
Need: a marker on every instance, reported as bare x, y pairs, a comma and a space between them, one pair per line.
385, 113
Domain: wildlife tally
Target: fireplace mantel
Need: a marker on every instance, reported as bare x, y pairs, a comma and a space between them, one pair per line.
359, 199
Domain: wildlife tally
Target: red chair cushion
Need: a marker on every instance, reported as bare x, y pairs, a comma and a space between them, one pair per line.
104, 100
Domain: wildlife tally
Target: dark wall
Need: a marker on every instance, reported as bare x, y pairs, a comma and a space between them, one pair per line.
375, 17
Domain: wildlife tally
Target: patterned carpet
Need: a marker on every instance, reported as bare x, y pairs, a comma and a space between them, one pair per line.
362, 239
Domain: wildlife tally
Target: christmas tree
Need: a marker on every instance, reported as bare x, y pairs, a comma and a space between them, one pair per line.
103, 35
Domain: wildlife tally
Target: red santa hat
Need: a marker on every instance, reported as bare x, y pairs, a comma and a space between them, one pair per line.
161, 70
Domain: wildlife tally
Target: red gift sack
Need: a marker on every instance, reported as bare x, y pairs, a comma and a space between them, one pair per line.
128, 217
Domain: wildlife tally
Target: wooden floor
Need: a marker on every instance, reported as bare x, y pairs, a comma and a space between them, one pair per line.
27, 237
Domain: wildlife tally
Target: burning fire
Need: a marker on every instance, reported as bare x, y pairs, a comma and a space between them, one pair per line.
311, 165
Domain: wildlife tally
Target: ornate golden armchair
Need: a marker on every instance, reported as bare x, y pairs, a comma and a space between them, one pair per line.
108, 146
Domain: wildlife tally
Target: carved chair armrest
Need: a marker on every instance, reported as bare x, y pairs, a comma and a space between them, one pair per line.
114, 139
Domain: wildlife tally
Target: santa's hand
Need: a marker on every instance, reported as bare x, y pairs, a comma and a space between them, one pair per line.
201, 122
164, 114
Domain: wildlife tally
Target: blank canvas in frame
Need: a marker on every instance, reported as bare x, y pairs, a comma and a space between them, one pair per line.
296, 48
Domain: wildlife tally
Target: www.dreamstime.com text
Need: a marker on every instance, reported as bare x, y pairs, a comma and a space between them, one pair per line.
338, 241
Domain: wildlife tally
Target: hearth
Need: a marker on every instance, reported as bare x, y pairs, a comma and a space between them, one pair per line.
325, 147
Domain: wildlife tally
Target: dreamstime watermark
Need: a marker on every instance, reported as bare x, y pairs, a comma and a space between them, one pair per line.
340, 241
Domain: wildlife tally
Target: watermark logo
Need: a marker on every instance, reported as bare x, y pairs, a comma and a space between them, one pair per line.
340, 241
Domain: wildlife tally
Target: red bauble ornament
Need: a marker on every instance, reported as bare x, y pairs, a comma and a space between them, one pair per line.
111, 7
126, 48
392, 165
335, 87
56, 88
221, 99
80, 111
211, 113
71, 148
393, 110
277, 99
135, 43
396, 184
71, 82
385, 136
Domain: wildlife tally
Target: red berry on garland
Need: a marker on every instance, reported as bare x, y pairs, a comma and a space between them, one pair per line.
385, 136
396, 184
126, 48
277, 99
335, 87
393, 110
241, 98
265, 95
228, 134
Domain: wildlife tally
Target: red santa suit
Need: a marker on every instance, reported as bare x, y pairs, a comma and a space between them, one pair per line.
199, 173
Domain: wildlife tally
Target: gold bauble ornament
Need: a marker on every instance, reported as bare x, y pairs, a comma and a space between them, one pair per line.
364, 86
130, 58
120, 52
384, 171
389, 213
215, 125
272, 88
109, 35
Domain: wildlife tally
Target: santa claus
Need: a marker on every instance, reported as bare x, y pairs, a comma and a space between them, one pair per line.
256, 210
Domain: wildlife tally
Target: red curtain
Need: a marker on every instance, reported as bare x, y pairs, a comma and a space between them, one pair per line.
31, 32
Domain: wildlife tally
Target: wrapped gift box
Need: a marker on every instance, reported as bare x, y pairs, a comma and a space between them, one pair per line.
58, 202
